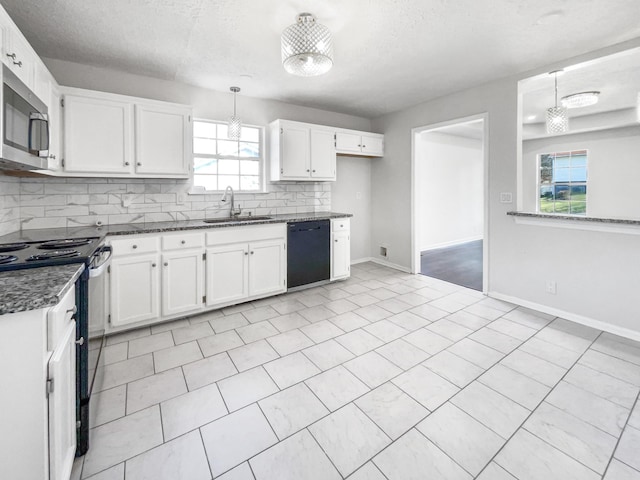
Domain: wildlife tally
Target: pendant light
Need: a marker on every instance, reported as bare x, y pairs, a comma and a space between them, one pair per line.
307, 48
557, 120
234, 126
579, 100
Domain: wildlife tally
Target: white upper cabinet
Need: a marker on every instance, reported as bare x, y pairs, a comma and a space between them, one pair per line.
97, 135
120, 136
302, 152
359, 143
17, 54
55, 127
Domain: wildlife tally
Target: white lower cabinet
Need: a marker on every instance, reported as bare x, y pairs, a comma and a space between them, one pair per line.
181, 282
266, 275
340, 248
135, 289
227, 274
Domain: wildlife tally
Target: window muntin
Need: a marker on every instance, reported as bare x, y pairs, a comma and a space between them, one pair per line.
563, 183
219, 162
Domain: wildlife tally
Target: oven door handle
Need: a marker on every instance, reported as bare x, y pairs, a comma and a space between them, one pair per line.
97, 270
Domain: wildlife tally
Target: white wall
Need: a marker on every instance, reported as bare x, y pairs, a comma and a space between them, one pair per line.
613, 165
450, 189
354, 196
597, 273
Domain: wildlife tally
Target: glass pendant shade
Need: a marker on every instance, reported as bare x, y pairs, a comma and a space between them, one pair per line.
307, 48
579, 100
234, 124
557, 120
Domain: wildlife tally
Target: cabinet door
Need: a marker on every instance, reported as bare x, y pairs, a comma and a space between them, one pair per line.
18, 56
227, 274
42, 84
62, 405
294, 152
182, 282
55, 130
163, 140
97, 135
348, 142
267, 263
323, 155
135, 289
340, 255
373, 145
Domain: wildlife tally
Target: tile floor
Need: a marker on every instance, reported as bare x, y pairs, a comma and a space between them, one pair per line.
385, 375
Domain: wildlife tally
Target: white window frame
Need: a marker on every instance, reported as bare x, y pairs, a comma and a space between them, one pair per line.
200, 190
585, 183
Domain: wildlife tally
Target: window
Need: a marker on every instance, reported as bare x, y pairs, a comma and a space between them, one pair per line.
219, 162
563, 183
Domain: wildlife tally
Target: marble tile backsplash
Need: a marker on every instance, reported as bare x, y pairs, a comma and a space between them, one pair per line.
9, 204
72, 202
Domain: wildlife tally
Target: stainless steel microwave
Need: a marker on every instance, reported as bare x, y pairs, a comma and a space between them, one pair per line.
25, 126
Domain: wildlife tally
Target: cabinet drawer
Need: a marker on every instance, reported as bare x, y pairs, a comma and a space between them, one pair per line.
59, 317
183, 240
129, 246
227, 235
340, 224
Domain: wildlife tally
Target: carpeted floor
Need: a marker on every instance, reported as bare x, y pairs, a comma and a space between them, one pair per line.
460, 264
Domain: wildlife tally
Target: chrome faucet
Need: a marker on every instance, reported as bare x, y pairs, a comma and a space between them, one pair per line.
232, 210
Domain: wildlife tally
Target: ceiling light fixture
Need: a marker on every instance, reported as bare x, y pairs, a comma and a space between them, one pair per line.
307, 48
557, 120
234, 125
581, 99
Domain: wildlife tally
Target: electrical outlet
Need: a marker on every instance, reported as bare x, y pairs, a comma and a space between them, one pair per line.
383, 252
506, 197
181, 198
358, 195
126, 200
551, 287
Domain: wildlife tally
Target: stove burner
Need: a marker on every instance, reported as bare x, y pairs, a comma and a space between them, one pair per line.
53, 255
7, 259
71, 242
12, 247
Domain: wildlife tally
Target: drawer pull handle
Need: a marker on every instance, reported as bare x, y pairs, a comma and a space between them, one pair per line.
11, 55
18, 63
134, 246
126, 164
73, 310
80, 341
252, 252
166, 264
183, 242
246, 253
336, 240
153, 265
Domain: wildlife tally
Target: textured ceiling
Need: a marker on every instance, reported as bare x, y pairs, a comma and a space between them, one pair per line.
389, 54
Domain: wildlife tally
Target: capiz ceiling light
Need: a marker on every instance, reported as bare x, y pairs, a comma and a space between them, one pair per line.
581, 99
307, 48
234, 125
557, 120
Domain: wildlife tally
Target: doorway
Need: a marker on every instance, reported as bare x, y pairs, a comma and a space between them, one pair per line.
449, 206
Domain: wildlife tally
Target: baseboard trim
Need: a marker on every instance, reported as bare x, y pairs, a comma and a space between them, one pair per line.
386, 263
361, 260
574, 317
452, 243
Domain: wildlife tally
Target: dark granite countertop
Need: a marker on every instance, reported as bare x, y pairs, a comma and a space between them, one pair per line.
619, 221
157, 227
35, 288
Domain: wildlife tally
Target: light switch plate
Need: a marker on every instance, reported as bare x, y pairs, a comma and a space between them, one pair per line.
506, 197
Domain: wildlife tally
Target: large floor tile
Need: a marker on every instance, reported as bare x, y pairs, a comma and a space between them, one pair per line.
603, 385
154, 389
591, 408
402, 354
497, 340
350, 321
257, 331
550, 352
219, 343
629, 447
208, 370
513, 329
359, 341
108, 405
191, 410
122, 439
386, 330
252, 355
367, 472
192, 332
455, 369
476, 353
316, 313
292, 409
527, 457
289, 370
413, 457
235, 438
429, 312
114, 353
176, 356
260, 314
567, 335
373, 313
127, 336
336, 387
349, 438
409, 321
183, 457
372, 369
113, 473
493, 471
619, 471
483, 311
464, 439
581, 441
124, 372
450, 330
519, 388
428, 341
321, 331
328, 354
540, 370
500, 414
228, 322
298, 457
621, 369
289, 342
529, 318
392, 409
287, 322
246, 387
241, 472
426, 387
469, 319
619, 347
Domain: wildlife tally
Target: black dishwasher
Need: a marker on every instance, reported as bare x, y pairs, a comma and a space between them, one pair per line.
308, 257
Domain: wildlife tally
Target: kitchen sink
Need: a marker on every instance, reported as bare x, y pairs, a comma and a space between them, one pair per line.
236, 219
